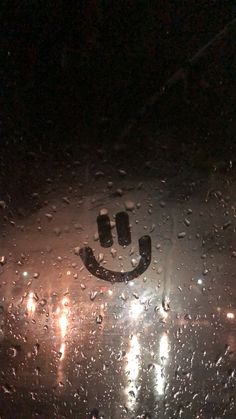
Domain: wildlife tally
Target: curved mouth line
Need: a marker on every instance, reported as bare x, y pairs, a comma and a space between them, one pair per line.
90, 262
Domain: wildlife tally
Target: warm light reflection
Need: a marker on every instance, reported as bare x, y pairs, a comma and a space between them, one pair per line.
63, 323
160, 368
31, 304
62, 350
132, 371
136, 309
230, 316
63, 317
133, 358
160, 380
65, 301
164, 348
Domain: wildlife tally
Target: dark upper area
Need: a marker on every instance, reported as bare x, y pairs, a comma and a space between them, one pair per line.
75, 72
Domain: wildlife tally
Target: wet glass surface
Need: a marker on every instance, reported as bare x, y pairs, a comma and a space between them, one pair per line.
117, 236
162, 343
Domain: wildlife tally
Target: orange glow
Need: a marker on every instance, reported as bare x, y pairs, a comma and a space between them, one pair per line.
63, 323
31, 305
62, 350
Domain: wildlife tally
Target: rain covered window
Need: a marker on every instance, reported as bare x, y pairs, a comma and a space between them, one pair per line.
117, 211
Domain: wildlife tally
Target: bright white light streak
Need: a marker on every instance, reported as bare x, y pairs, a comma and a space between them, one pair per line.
31, 305
133, 358
160, 380
132, 370
164, 348
63, 323
159, 368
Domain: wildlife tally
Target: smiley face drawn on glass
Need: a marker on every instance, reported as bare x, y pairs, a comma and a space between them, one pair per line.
124, 239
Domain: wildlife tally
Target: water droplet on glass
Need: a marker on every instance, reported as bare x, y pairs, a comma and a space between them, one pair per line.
43, 302
8, 389
13, 351
76, 250
103, 211
226, 225
152, 228
3, 260
66, 200
166, 303
93, 295
100, 257
99, 319
150, 367
134, 262
3, 204
181, 235
36, 349
113, 252
129, 205
48, 216
122, 172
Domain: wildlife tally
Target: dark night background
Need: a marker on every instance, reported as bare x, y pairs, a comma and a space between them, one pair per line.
74, 73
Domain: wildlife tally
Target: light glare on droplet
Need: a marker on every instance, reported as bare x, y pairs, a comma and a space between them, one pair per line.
135, 310
199, 281
230, 315
163, 313
65, 301
160, 380
62, 350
